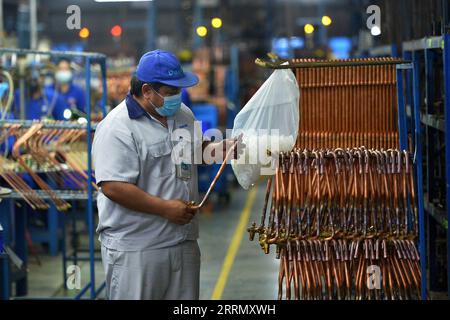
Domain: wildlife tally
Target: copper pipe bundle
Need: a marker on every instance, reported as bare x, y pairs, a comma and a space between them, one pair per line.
14, 180
348, 106
341, 208
57, 153
333, 214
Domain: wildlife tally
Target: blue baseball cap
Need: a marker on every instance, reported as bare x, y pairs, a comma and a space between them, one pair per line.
164, 67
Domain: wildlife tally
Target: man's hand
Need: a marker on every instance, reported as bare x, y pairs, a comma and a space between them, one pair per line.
223, 146
239, 148
136, 199
178, 212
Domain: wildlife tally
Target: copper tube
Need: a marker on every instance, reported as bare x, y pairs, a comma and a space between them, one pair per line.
346, 184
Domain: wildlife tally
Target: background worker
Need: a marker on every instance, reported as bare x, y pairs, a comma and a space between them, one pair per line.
40, 102
147, 229
73, 95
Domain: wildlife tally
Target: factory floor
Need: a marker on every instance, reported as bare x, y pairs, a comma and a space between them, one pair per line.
232, 266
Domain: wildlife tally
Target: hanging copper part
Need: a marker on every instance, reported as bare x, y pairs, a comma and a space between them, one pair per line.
60, 204
335, 216
343, 201
14, 180
347, 105
42, 151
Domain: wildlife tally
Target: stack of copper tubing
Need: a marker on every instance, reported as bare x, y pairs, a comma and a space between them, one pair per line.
53, 158
344, 107
341, 208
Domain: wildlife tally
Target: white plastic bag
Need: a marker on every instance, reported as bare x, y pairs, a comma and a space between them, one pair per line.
269, 123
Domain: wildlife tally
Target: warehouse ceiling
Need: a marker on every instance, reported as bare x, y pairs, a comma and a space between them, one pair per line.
250, 22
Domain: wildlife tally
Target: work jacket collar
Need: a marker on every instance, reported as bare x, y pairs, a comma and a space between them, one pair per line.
135, 110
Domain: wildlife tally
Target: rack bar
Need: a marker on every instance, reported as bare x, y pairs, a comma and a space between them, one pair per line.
104, 95
73, 54
419, 176
402, 130
4, 268
83, 291
424, 43
62, 194
326, 63
446, 60
46, 125
328, 155
89, 173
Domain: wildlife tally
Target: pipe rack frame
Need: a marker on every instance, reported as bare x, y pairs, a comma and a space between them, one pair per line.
88, 58
405, 69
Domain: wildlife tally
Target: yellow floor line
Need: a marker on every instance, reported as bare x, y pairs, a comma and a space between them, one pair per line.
234, 246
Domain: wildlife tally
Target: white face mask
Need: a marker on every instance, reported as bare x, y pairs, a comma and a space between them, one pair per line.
63, 76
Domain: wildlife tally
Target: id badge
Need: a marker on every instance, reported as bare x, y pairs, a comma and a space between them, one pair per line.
184, 171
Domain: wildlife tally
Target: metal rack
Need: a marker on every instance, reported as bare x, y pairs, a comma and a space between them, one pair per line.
89, 59
405, 69
426, 53
3, 262
48, 125
62, 194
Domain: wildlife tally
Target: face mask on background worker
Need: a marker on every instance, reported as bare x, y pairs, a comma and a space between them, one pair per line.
63, 76
170, 105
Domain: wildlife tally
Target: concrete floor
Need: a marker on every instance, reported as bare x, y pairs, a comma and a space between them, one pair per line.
253, 275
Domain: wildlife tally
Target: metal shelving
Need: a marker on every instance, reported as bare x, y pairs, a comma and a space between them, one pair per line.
424, 44
61, 194
47, 124
426, 53
3, 262
9, 214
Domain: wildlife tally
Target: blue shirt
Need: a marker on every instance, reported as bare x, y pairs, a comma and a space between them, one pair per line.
74, 98
52, 106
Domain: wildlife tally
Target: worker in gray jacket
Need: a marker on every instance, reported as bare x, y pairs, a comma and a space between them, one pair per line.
147, 228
